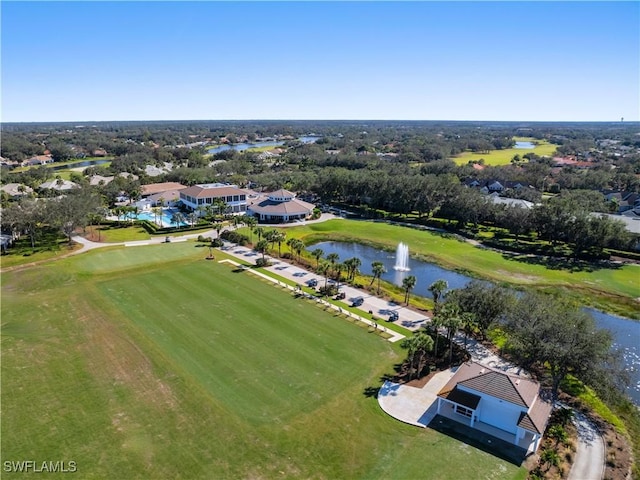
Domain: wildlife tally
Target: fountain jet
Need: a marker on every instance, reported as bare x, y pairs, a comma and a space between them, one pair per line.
402, 258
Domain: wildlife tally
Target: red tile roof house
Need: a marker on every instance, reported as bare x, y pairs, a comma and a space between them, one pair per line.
504, 405
199, 196
280, 206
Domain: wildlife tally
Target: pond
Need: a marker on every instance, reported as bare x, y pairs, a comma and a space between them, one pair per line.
86, 163
527, 145
240, 147
626, 332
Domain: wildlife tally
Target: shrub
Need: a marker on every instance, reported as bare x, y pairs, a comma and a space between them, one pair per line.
234, 237
262, 262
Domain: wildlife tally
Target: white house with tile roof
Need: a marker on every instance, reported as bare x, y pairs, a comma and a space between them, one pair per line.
510, 403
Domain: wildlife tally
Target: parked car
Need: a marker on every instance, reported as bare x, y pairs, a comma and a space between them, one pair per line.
340, 296
393, 317
313, 282
357, 302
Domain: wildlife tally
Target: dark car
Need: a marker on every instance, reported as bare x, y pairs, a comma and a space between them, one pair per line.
357, 302
313, 282
393, 317
340, 296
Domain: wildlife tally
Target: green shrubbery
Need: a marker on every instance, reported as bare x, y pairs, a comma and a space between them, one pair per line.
234, 237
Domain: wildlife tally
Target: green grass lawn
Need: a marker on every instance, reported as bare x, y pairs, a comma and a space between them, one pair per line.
503, 157
150, 362
613, 289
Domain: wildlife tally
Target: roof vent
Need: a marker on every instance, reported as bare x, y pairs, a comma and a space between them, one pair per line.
482, 370
517, 382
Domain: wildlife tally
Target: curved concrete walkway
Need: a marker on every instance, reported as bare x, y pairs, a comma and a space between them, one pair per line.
590, 453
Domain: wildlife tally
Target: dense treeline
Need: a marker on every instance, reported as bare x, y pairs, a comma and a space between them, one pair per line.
392, 167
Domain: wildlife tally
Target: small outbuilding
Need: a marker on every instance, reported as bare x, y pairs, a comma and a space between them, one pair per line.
483, 397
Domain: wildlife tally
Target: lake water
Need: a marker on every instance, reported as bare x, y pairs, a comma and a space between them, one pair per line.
526, 145
626, 332
240, 147
86, 163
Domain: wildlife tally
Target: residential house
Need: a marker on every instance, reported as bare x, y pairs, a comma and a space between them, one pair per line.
15, 190
199, 196
99, 180
280, 206
38, 160
59, 185
489, 399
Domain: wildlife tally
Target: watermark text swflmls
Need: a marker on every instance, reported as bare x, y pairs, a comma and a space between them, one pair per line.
33, 466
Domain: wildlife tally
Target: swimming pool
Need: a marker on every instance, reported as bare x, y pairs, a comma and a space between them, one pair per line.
163, 220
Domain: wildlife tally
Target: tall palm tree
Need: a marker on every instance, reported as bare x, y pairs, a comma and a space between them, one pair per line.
408, 283
317, 254
338, 269
353, 267
279, 237
418, 346
193, 218
333, 258
272, 237
157, 211
177, 218
260, 232
250, 221
262, 247
469, 325
219, 205
298, 246
436, 289
323, 269
378, 270
217, 227
451, 318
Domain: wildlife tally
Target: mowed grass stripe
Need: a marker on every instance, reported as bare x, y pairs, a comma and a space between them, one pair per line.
86, 379
297, 347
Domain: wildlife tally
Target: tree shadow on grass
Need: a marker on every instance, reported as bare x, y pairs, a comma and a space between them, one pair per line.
373, 391
563, 263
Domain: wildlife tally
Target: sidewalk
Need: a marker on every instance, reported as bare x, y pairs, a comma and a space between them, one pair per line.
298, 275
380, 308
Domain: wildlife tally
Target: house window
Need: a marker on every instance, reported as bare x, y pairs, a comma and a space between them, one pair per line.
466, 412
235, 198
243, 197
229, 199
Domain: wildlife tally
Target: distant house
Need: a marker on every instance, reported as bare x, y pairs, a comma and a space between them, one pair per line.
280, 206
512, 202
198, 196
37, 160
15, 190
97, 180
477, 394
59, 185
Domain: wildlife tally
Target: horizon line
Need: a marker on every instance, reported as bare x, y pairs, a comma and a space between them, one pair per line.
622, 121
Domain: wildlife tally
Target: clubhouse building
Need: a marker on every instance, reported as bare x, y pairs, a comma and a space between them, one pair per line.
200, 196
280, 206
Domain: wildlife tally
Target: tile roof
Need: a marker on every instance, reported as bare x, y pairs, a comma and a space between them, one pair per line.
461, 397
537, 417
511, 388
153, 188
197, 191
291, 207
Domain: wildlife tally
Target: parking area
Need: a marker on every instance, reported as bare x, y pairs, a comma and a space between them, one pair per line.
367, 303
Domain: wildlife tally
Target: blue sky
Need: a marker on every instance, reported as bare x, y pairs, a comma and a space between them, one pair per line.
537, 61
